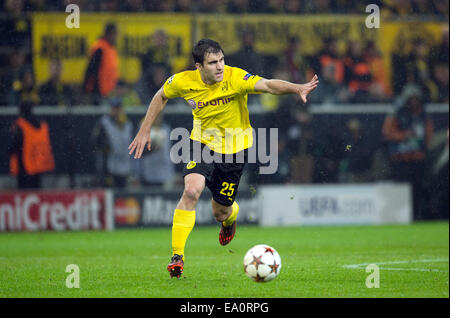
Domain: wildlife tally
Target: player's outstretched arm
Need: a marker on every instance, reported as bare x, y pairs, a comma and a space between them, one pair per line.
142, 138
279, 87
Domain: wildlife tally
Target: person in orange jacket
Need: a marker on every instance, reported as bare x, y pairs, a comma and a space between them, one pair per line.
102, 72
30, 150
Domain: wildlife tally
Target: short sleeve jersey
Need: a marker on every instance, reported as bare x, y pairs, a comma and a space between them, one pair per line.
221, 118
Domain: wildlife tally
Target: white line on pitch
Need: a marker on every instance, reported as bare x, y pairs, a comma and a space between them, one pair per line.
413, 269
403, 262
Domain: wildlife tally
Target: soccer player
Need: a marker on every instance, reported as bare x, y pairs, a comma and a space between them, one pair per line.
217, 94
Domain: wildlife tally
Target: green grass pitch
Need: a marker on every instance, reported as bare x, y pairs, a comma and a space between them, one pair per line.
413, 262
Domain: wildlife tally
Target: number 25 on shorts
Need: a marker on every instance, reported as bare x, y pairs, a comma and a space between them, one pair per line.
227, 189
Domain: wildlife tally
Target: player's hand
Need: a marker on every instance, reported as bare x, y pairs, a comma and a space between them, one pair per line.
138, 144
307, 88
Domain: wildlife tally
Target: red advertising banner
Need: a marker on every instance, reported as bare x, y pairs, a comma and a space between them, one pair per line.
56, 210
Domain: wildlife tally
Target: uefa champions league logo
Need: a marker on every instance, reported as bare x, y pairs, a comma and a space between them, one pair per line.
192, 103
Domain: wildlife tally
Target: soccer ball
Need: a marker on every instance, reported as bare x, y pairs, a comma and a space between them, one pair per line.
262, 263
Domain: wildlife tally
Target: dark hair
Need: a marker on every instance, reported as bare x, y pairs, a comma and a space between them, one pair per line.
109, 28
205, 46
26, 106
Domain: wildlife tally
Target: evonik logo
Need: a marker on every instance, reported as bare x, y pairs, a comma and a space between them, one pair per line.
215, 102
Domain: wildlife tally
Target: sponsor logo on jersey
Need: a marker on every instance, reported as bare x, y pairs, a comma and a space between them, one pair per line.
192, 103
170, 79
215, 102
191, 164
247, 76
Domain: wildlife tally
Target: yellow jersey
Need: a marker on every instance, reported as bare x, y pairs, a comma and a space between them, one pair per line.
221, 118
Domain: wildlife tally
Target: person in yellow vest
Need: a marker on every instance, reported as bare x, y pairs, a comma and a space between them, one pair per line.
30, 150
217, 94
102, 72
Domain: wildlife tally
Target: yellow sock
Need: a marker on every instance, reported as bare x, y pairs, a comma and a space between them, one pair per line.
183, 223
233, 215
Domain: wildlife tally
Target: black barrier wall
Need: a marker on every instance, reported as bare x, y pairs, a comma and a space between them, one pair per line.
138, 209
71, 134
317, 150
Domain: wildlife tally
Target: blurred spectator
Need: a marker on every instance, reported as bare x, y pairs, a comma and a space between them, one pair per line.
155, 66
358, 154
438, 180
15, 27
183, 6
53, 92
109, 6
36, 5
293, 6
111, 138
247, 58
296, 61
283, 173
421, 7
159, 6
60, 5
11, 75
322, 6
439, 53
251, 61
328, 149
441, 8
273, 102
24, 89
402, 8
358, 76
299, 141
330, 68
274, 6
418, 70
133, 6
351, 6
155, 168
419, 67
127, 94
440, 80
238, 6
379, 88
390, 8
409, 131
158, 76
211, 6
30, 149
397, 7
85, 5
327, 155
282, 118
329, 91
399, 74
329, 57
102, 72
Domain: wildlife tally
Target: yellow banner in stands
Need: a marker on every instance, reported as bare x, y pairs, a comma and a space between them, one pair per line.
52, 39
272, 32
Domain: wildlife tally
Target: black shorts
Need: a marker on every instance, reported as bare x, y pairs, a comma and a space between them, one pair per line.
222, 179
